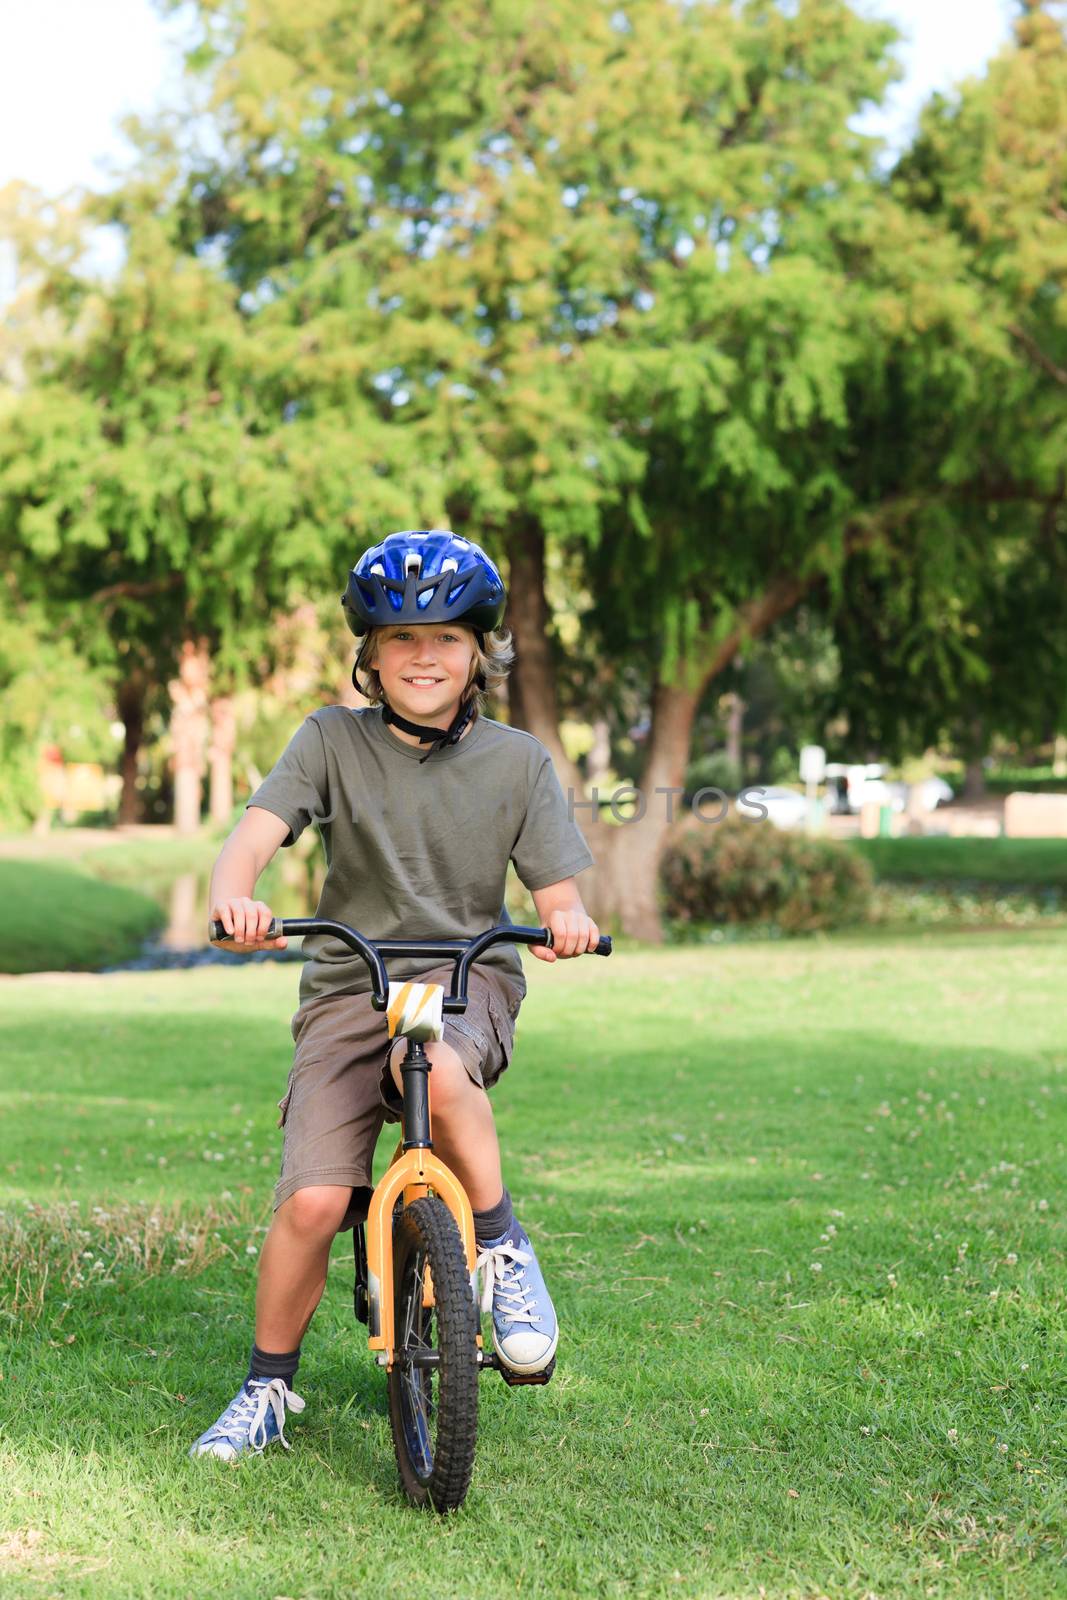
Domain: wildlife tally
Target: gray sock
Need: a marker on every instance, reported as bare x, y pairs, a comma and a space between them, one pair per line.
265, 1364
493, 1225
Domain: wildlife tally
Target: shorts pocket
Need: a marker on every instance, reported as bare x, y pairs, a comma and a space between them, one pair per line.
283, 1103
462, 1024
504, 1027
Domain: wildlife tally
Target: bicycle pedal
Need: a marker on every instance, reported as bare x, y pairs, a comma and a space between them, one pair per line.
515, 1379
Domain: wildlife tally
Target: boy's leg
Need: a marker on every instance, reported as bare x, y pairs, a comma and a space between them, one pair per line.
292, 1276
294, 1261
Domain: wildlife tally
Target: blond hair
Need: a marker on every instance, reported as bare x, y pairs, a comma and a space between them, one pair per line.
494, 662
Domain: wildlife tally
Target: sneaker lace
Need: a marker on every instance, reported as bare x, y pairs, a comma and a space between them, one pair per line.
249, 1410
503, 1279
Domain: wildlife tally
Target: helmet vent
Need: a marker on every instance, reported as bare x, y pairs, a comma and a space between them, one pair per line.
450, 564
412, 563
379, 569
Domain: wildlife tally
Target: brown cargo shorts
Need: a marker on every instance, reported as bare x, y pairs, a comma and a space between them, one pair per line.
340, 1089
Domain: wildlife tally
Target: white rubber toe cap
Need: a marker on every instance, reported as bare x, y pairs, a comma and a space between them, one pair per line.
525, 1350
217, 1447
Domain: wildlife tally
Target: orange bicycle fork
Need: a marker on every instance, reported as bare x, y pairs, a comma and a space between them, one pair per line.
413, 1173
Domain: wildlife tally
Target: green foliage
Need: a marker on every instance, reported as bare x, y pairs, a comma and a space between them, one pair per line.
739, 871
1005, 780
965, 616
624, 278
712, 771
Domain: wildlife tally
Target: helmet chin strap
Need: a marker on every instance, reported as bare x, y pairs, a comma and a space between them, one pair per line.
436, 736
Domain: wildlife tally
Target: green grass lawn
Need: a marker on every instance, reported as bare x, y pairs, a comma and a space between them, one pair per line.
1036, 862
801, 1207
56, 917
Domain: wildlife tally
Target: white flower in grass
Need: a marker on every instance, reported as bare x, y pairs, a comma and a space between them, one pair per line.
1010, 1259
953, 1436
816, 1266
1042, 1205
250, 1249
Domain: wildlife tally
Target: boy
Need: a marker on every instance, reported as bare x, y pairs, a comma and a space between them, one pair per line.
417, 843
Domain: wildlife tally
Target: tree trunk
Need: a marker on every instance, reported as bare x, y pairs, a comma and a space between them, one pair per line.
735, 722
974, 773
622, 890
974, 788
598, 760
220, 754
532, 701
131, 704
189, 732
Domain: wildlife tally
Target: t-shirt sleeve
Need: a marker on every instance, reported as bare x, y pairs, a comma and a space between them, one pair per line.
550, 846
296, 789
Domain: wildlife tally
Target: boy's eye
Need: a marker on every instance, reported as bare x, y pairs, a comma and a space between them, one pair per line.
450, 638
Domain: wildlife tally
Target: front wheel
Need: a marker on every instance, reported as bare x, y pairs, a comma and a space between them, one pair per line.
433, 1385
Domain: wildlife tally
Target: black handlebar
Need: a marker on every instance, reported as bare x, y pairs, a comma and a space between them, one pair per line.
462, 951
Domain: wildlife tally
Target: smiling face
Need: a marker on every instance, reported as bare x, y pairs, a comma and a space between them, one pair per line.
424, 669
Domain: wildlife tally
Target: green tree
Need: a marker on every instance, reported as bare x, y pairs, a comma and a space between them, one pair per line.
551, 249
143, 502
959, 632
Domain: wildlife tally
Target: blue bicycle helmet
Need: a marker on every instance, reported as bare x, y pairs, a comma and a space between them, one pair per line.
427, 576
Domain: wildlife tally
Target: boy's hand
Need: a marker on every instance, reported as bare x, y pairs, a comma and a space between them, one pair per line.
573, 934
246, 921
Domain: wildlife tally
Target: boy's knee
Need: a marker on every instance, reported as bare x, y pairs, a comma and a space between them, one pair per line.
450, 1084
317, 1212
445, 1065
449, 1079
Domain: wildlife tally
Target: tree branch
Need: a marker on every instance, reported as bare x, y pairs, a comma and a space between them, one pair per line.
1034, 350
135, 591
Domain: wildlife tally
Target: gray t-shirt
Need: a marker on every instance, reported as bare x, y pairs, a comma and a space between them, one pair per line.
418, 849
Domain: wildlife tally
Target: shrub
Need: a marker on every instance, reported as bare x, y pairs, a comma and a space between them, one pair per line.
745, 871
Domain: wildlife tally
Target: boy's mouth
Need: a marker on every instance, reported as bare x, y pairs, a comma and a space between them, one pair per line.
423, 683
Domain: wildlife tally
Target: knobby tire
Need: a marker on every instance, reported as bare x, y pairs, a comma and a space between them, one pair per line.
433, 1411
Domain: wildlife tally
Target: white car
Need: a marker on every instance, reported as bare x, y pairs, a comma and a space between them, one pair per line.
935, 792
786, 808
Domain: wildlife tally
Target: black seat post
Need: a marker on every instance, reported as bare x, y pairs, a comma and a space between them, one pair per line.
415, 1071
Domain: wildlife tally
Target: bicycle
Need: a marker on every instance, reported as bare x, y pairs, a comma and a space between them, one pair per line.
416, 1288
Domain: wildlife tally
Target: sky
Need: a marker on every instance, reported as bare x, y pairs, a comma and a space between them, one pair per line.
70, 69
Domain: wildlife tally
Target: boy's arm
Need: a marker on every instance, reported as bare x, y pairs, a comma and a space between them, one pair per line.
247, 851
559, 907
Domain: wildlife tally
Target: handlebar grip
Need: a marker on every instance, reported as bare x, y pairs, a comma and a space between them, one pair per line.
218, 929
603, 944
